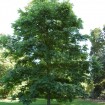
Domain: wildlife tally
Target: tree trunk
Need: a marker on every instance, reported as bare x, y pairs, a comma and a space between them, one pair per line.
48, 99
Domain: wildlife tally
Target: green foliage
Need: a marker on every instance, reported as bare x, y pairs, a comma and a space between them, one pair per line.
50, 62
6, 63
97, 60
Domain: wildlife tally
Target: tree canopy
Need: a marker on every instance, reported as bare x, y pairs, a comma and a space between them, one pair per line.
50, 62
97, 56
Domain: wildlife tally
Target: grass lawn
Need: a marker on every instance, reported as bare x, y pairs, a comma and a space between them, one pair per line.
43, 102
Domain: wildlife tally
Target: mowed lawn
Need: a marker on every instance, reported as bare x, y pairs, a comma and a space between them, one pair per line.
43, 102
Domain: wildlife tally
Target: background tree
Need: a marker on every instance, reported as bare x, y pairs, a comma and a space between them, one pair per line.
98, 62
5, 64
50, 62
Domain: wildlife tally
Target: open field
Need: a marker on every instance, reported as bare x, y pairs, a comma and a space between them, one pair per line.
43, 102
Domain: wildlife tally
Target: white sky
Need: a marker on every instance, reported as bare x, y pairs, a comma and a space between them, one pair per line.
8, 13
92, 12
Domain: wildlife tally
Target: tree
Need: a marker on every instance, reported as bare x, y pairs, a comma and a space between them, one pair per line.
5, 64
97, 61
50, 62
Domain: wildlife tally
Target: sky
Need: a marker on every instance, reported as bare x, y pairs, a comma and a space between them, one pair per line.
92, 12
9, 13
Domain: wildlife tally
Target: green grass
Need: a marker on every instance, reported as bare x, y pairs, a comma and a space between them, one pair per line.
84, 102
43, 102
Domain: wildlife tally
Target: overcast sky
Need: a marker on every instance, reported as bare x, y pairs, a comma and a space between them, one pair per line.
92, 12
8, 13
